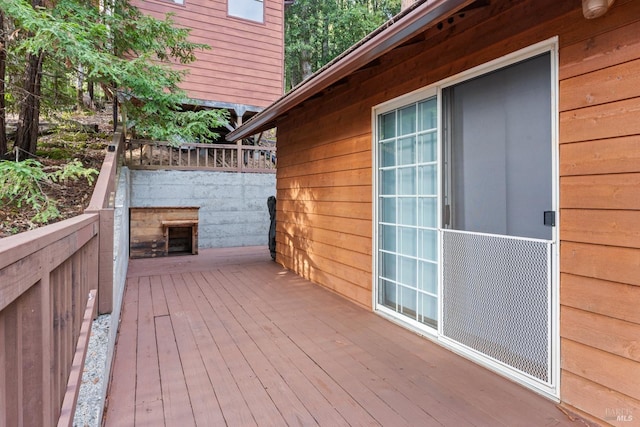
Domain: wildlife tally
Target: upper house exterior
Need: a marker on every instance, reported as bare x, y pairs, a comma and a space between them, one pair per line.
471, 171
243, 70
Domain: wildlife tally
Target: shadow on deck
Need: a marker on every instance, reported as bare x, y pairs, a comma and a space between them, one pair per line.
228, 337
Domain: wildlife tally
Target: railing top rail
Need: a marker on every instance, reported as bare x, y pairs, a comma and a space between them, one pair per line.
105, 183
27, 257
200, 145
16, 247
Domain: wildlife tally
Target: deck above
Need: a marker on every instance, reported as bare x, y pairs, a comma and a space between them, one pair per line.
228, 337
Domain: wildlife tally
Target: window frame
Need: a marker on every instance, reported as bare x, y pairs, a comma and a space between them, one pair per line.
174, 3
245, 18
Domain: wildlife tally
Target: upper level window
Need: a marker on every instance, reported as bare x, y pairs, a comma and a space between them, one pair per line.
252, 10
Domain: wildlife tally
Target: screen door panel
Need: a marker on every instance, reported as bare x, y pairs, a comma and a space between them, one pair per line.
497, 298
497, 251
500, 151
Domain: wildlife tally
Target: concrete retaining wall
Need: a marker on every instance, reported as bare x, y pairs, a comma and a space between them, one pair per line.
121, 235
233, 206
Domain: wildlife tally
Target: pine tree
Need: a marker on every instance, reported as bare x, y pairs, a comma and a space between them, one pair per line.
115, 46
317, 31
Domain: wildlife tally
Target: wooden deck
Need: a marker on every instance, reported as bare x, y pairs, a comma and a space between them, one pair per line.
228, 337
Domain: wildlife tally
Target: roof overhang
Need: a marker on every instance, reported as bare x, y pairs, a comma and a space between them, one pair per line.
395, 32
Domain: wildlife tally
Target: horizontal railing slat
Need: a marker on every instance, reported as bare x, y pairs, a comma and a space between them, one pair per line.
66, 238
14, 248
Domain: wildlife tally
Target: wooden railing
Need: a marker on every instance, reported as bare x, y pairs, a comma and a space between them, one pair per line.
48, 288
146, 154
45, 278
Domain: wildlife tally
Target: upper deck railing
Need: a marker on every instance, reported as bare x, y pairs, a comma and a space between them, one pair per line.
148, 154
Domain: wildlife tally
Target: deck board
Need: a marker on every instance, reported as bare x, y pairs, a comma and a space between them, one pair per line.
121, 399
149, 410
257, 374
276, 352
157, 296
204, 402
377, 393
315, 347
228, 337
264, 357
224, 359
326, 360
175, 395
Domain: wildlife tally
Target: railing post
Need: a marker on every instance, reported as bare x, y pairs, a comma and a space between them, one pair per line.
101, 203
105, 261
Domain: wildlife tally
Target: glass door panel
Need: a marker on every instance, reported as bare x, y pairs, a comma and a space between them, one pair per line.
408, 212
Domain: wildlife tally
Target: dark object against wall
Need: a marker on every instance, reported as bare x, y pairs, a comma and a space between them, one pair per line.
271, 203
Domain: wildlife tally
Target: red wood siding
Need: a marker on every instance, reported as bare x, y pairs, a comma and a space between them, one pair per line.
324, 185
600, 212
245, 64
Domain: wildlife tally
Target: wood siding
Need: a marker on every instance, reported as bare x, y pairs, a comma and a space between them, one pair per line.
324, 185
246, 60
600, 217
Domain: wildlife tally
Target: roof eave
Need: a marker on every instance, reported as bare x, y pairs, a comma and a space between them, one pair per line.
396, 33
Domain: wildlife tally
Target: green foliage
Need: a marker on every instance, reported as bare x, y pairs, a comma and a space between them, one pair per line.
128, 54
21, 183
55, 153
188, 126
317, 31
58, 88
73, 170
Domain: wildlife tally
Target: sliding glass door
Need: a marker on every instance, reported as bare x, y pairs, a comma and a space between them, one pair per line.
466, 215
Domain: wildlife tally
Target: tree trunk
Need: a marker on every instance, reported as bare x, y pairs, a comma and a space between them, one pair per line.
305, 64
325, 56
3, 72
90, 90
29, 118
79, 89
